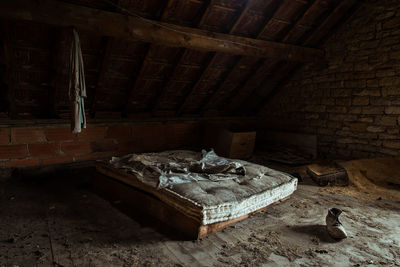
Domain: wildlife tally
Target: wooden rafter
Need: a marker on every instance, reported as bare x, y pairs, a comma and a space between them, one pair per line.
213, 59
336, 15
136, 28
61, 57
180, 60
236, 65
102, 74
146, 60
314, 38
103, 68
265, 69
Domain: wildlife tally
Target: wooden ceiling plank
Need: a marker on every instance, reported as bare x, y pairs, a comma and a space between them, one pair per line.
145, 61
281, 8
213, 59
180, 60
275, 78
240, 101
300, 23
102, 71
208, 8
333, 18
336, 15
61, 63
135, 28
102, 74
222, 84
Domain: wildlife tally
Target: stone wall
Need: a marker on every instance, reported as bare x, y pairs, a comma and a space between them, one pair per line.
352, 103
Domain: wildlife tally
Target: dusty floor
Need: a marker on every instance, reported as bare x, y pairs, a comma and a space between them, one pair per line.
55, 221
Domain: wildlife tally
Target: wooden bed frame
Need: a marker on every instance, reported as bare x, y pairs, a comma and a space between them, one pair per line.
124, 187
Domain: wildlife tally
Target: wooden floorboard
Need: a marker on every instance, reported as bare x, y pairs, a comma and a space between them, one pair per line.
181, 253
96, 233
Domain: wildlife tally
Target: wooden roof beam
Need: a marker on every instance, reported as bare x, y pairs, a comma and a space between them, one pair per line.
136, 28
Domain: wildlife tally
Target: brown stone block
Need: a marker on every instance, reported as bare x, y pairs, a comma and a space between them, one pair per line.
341, 92
119, 132
5, 134
59, 134
75, 147
27, 135
392, 110
373, 110
103, 146
392, 144
389, 81
13, 151
343, 101
355, 84
387, 121
358, 127
336, 109
355, 110
92, 133
375, 129
23, 163
361, 101
391, 91
46, 149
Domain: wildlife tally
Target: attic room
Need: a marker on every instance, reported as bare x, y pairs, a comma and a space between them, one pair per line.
200, 133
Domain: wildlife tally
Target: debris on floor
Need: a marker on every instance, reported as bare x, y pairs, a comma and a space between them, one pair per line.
328, 174
86, 230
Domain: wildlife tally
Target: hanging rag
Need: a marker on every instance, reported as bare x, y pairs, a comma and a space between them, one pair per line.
77, 88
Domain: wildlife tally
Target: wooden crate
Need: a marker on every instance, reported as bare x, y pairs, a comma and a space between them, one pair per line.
235, 144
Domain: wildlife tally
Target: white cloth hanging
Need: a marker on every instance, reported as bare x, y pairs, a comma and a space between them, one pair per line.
77, 88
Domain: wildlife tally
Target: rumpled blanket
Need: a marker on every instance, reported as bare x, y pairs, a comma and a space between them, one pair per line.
167, 168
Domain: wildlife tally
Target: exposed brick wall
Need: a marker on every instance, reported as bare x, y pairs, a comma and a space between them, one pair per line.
352, 104
47, 145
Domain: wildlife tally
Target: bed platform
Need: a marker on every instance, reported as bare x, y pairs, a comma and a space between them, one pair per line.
199, 208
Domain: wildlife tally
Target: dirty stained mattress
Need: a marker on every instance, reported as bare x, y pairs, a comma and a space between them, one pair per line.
204, 186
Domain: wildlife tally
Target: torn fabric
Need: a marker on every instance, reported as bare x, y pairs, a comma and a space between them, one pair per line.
77, 88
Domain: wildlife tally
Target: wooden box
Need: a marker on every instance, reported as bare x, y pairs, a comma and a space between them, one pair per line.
229, 143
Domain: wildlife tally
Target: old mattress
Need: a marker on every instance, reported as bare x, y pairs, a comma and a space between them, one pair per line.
203, 186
